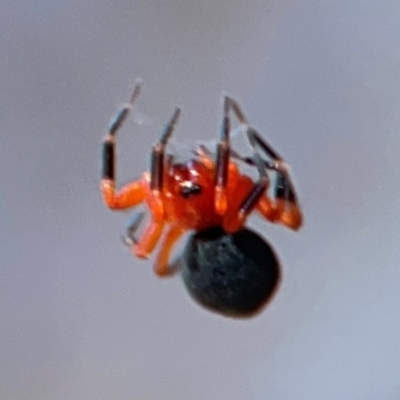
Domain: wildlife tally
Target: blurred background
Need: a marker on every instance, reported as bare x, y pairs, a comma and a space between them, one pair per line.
80, 318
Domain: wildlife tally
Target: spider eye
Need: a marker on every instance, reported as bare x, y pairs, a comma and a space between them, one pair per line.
188, 189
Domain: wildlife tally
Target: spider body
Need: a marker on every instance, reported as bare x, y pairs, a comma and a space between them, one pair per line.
204, 192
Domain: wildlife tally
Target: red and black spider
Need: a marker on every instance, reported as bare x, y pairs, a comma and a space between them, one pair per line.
206, 194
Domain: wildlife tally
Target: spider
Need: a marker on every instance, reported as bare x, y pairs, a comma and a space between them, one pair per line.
203, 192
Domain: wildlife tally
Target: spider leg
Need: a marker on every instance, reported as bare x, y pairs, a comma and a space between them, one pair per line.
250, 201
222, 162
162, 266
143, 247
253, 136
286, 204
250, 161
285, 208
157, 167
237, 110
205, 156
133, 193
136, 219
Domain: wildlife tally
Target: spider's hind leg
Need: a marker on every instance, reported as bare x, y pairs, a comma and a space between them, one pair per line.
163, 266
135, 221
147, 243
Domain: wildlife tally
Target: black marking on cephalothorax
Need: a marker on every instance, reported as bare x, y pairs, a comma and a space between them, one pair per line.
189, 189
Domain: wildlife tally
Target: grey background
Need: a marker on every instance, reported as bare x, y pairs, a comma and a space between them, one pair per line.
80, 317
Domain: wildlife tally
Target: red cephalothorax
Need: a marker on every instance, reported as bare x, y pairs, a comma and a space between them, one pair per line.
203, 192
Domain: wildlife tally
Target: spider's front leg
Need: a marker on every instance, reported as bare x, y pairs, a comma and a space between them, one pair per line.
133, 193
285, 207
157, 168
146, 244
223, 166
286, 203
